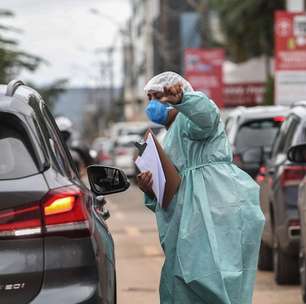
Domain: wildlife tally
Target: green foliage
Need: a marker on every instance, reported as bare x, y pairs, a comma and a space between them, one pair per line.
12, 59
247, 26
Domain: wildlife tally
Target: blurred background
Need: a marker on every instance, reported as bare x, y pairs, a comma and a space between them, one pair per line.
97, 55
91, 59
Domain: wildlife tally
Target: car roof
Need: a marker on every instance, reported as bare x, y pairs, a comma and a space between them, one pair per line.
259, 112
15, 97
127, 139
299, 111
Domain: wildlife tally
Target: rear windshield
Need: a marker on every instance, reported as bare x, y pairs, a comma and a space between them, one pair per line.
260, 133
126, 145
16, 154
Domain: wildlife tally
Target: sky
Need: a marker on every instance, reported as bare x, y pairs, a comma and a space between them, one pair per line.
67, 33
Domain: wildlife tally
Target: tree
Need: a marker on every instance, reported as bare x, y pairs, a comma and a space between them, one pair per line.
248, 27
12, 59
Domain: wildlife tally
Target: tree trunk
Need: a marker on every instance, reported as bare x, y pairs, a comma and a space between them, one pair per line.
268, 67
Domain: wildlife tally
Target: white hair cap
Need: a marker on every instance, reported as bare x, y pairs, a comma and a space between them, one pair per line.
158, 82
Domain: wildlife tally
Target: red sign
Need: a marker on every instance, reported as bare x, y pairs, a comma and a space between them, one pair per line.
290, 57
204, 70
244, 94
290, 41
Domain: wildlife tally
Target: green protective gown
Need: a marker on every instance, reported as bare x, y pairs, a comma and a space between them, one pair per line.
211, 232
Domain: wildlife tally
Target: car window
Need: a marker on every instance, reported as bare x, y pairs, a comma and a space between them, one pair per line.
290, 134
285, 134
229, 123
17, 156
230, 129
301, 139
125, 145
60, 151
44, 132
256, 133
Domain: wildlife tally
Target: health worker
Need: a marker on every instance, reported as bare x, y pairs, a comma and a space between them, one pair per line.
211, 231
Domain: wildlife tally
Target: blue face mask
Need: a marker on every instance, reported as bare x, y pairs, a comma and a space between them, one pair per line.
157, 112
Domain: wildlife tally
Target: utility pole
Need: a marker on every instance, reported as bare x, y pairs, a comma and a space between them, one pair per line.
109, 51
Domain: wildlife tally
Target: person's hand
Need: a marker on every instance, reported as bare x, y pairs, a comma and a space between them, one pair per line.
145, 182
173, 94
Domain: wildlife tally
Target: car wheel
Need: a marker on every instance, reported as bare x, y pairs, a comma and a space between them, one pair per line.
286, 268
265, 261
302, 268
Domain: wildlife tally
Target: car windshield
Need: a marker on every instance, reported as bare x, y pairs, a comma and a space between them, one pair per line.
259, 133
126, 145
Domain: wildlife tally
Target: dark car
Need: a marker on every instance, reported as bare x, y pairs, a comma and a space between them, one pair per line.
279, 179
297, 154
55, 246
251, 130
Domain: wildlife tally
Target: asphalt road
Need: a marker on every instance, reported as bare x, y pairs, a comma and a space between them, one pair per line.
139, 257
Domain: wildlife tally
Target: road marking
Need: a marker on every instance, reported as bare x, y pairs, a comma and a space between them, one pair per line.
132, 231
152, 251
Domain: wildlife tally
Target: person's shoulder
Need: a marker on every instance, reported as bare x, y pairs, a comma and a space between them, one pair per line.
195, 94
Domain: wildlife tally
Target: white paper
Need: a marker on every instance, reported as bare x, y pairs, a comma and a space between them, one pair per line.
150, 161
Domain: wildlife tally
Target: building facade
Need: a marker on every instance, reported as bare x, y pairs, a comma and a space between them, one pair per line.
139, 55
155, 45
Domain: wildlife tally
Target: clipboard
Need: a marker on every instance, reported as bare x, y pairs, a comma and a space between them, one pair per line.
173, 179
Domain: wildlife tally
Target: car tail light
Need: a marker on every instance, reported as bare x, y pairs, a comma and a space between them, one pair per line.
102, 156
121, 152
294, 228
61, 210
261, 174
20, 221
294, 223
279, 118
64, 209
292, 175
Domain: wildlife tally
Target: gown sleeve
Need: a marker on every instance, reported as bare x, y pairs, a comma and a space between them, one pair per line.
150, 202
202, 113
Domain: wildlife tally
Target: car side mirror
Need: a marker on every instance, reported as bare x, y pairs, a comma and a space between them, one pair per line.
107, 180
253, 156
297, 154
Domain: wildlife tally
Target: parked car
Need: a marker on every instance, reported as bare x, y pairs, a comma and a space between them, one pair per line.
279, 179
135, 128
81, 154
55, 246
297, 154
104, 147
124, 153
252, 129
